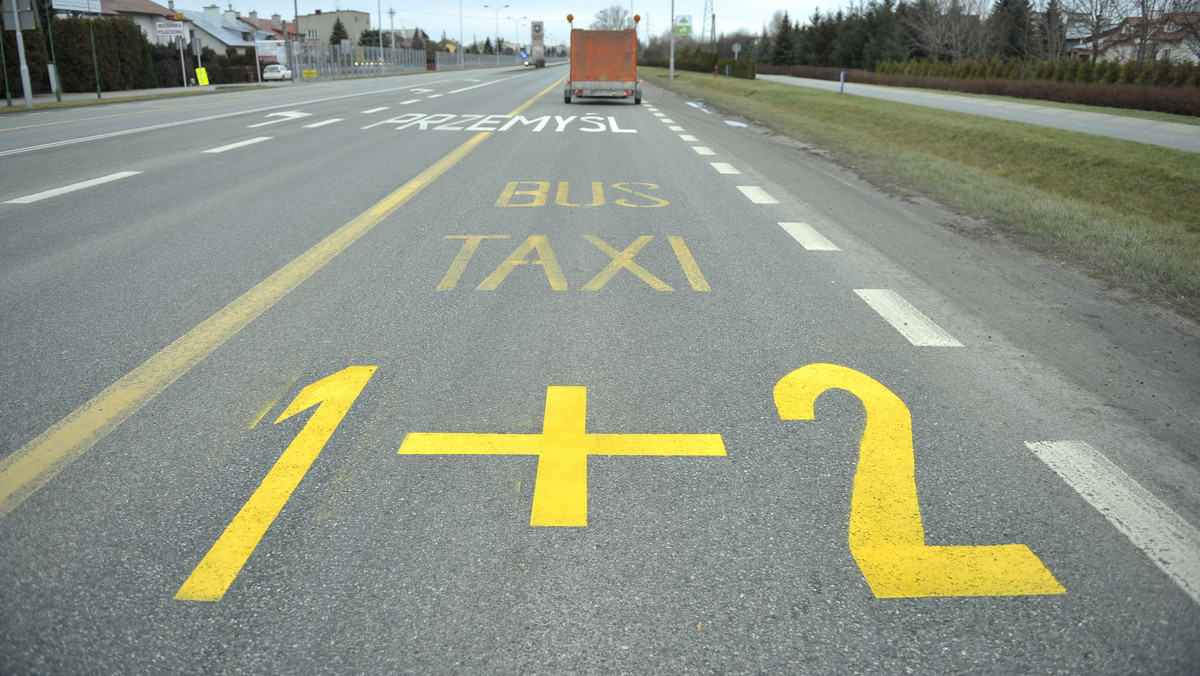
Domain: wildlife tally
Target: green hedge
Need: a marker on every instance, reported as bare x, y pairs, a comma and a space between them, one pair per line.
122, 53
1160, 73
37, 55
704, 62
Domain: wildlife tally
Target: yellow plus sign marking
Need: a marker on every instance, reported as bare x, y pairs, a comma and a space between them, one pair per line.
560, 492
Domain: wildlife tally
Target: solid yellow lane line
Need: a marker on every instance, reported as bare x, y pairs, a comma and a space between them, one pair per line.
37, 462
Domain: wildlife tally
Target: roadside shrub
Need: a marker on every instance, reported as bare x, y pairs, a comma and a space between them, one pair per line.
1178, 101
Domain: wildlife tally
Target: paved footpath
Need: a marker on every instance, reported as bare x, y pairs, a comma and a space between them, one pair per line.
1184, 137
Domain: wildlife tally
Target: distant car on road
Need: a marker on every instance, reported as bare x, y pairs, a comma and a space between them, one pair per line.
276, 72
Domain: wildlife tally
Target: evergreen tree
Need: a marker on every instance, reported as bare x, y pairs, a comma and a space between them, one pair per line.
782, 44
1009, 29
339, 33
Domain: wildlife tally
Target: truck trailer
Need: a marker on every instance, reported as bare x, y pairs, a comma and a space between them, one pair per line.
603, 64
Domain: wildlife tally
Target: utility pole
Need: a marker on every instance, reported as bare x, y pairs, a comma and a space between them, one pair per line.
21, 56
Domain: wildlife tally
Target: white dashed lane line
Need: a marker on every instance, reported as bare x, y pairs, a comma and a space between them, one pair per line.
73, 187
239, 144
808, 238
688, 137
1170, 542
322, 123
375, 110
757, 194
724, 168
675, 128
405, 103
703, 150
909, 321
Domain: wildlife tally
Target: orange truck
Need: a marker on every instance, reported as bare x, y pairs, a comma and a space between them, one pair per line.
603, 64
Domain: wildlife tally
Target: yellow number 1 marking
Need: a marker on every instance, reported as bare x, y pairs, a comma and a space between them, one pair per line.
217, 570
887, 538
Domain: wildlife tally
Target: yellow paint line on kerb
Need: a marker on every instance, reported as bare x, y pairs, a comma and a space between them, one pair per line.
37, 462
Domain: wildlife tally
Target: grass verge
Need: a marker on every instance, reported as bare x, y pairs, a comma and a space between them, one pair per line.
1126, 213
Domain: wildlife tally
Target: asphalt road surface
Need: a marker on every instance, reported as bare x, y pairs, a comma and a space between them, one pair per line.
442, 374
1172, 135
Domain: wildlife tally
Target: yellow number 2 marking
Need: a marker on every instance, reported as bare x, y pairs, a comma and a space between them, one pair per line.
217, 570
887, 538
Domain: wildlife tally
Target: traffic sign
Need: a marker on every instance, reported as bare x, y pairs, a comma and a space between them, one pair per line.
683, 24
169, 29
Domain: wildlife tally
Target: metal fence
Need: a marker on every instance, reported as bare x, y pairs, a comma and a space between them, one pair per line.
335, 61
448, 61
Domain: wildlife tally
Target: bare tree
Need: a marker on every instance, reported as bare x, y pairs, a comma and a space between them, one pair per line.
613, 17
1186, 15
946, 29
1097, 17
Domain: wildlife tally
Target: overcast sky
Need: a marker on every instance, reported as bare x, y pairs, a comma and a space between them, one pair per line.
435, 16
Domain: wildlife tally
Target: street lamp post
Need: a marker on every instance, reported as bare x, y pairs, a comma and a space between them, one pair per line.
497, 11
517, 28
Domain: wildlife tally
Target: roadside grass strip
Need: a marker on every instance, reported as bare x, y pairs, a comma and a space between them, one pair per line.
1126, 213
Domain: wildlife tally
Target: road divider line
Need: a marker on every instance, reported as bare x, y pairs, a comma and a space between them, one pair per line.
808, 238
675, 128
688, 137
380, 109
322, 123
1156, 529
239, 144
703, 150
724, 168
29, 468
920, 330
666, 121
405, 103
73, 187
757, 194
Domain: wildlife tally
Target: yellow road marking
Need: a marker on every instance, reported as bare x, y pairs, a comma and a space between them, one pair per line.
333, 397
688, 262
623, 259
887, 538
560, 489
29, 468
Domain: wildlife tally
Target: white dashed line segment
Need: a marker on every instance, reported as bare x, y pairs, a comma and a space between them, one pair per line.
916, 327
239, 144
757, 194
724, 168
703, 150
322, 123
1170, 542
73, 187
808, 238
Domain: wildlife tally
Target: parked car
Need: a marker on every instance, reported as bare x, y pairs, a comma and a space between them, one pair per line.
276, 72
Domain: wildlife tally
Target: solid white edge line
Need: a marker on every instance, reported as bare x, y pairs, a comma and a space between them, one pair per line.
1156, 529
73, 187
920, 330
239, 144
808, 238
757, 194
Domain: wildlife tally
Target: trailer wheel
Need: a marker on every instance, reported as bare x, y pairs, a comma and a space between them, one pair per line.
637, 100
